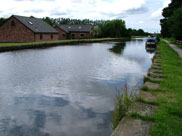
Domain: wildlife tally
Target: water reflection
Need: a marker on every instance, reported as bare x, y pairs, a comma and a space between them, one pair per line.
67, 90
151, 45
151, 50
118, 48
41, 100
33, 128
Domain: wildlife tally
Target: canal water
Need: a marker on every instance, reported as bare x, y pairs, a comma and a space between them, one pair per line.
67, 90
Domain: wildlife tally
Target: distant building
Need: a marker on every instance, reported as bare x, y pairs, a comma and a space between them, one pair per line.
74, 31
26, 29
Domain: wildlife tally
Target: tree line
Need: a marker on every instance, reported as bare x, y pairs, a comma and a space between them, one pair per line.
102, 28
171, 24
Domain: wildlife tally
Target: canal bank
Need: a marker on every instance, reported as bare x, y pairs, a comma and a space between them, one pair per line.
20, 46
158, 109
139, 117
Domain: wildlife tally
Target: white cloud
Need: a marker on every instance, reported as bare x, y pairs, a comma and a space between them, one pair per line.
94, 9
158, 14
166, 2
133, 11
141, 22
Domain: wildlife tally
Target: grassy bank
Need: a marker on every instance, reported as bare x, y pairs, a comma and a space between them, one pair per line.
168, 118
137, 36
59, 41
173, 41
30, 45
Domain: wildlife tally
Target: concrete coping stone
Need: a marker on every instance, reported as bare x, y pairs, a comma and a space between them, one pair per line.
148, 96
156, 78
156, 71
157, 67
152, 85
142, 108
132, 127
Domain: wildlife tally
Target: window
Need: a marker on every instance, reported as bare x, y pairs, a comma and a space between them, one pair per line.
30, 22
51, 36
12, 23
63, 35
73, 35
82, 35
41, 37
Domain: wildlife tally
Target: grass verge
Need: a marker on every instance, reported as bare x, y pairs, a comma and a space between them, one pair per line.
157, 72
168, 118
156, 67
173, 41
145, 118
139, 99
155, 76
151, 80
59, 42
156, 60
137, 36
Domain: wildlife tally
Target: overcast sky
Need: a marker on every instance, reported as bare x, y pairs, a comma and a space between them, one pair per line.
143, 14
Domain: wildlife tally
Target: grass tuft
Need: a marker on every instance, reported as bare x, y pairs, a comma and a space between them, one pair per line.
155, 76
145, 118
155, 67
139, 99
151, 80
122, 103
157, 72
156, 90
144, 88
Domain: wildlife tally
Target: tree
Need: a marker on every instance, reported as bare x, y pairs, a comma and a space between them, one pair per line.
139, 32
175, 24
113, 28
167, 24
168, 11
49, 20
165, 28
2, 21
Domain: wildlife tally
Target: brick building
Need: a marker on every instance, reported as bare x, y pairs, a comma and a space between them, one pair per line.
74, 31
26, 29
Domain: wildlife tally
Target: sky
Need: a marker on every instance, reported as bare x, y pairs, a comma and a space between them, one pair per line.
144, 14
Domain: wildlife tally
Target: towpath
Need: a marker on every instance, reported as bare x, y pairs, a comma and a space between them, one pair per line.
174, 47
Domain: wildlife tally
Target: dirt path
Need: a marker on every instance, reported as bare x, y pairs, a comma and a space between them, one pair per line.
174, 47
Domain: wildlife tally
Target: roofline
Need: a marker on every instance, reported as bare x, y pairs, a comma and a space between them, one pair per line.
21, 23
72, 31
60, 28
79, 31
32, 30
7, 20
75, 24
46, 32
